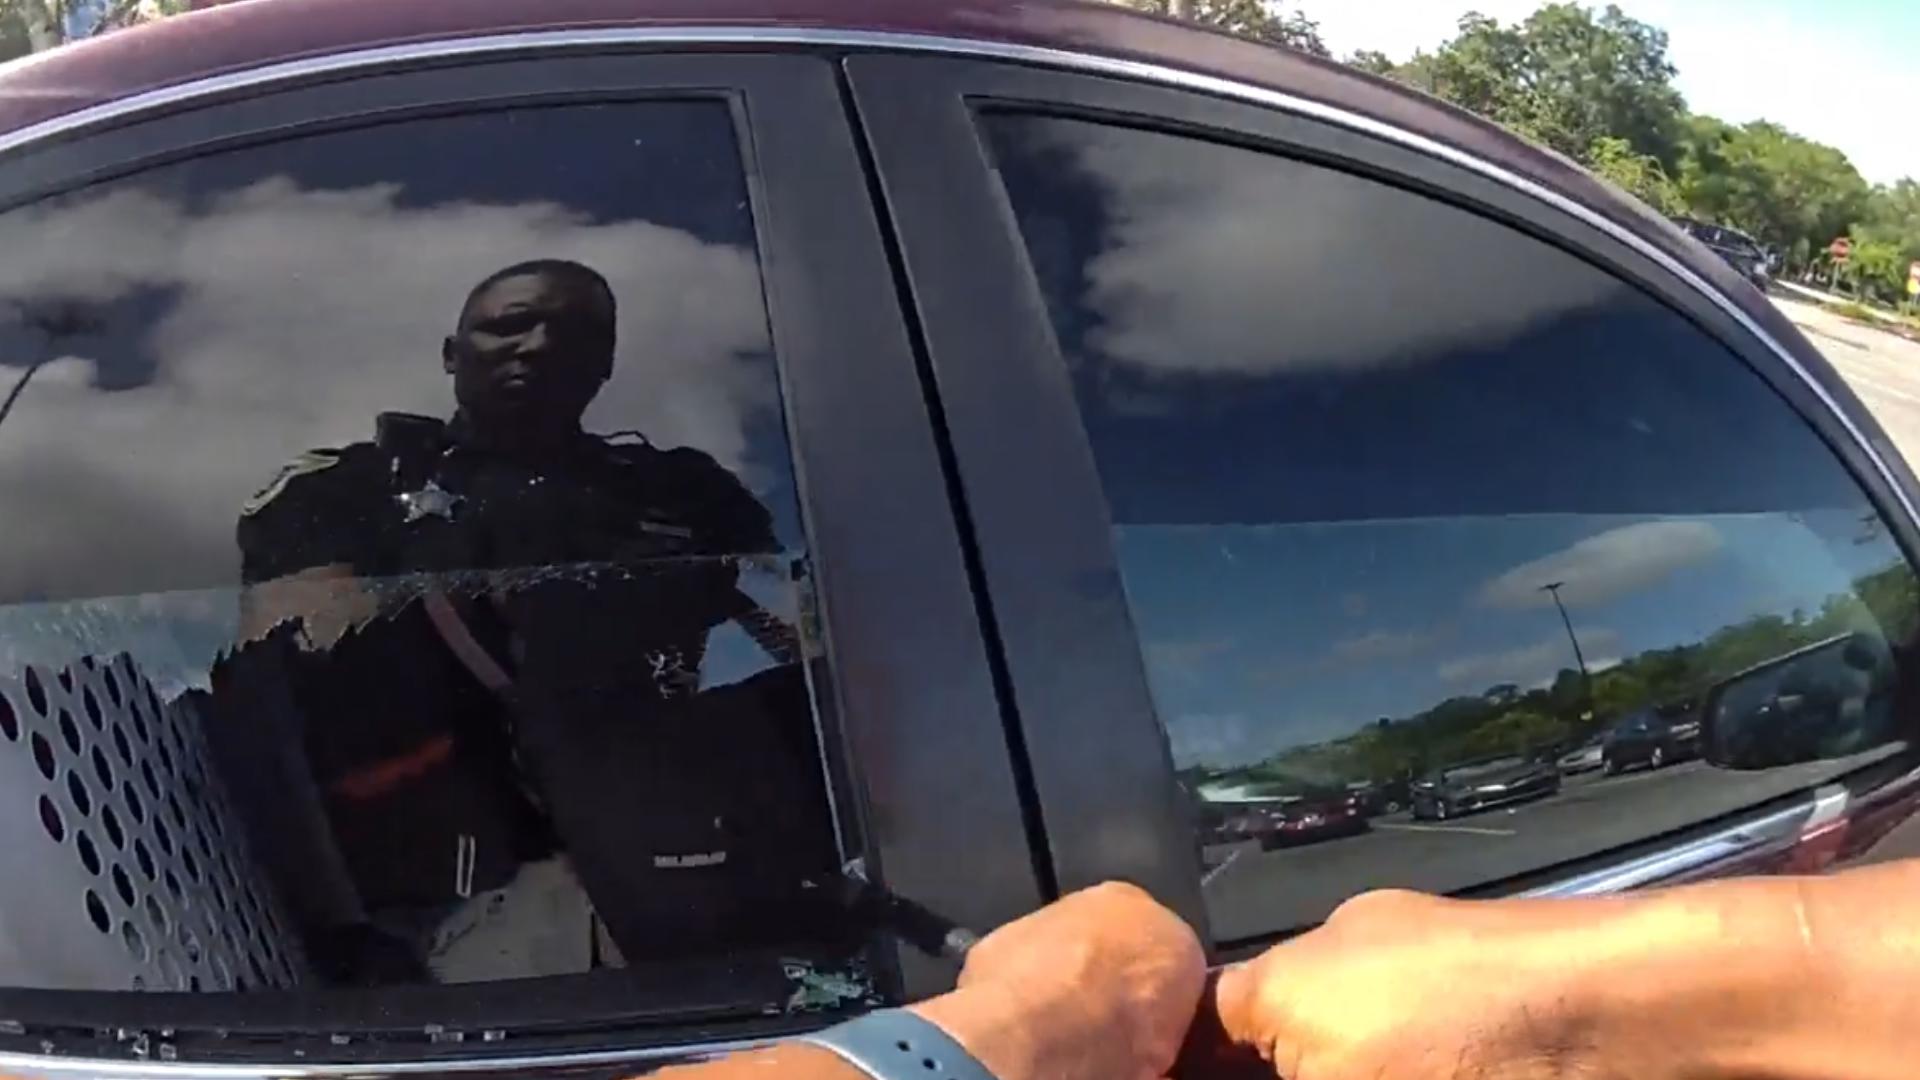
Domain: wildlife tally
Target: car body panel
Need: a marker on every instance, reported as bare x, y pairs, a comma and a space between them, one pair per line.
1655, 736
231, 37
1740, 251
1581, 759
243, 36
1285, 821
1006, 401
97, 85
1314, 819
1475, 786
1375, 797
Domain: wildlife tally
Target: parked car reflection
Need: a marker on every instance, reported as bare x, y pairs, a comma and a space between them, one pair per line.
1371, 798
1654, 737
1742, 252
1584, 758
1481, 785
1285, 820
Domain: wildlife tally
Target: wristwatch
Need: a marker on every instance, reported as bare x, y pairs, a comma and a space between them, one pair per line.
893, 1044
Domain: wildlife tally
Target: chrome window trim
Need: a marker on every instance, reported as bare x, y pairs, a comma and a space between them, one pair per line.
611, 1063
1772, 829
1777, 829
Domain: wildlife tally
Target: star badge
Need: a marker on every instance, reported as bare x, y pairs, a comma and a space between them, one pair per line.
430, 501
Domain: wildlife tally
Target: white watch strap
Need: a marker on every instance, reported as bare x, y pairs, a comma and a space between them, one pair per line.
894, 1044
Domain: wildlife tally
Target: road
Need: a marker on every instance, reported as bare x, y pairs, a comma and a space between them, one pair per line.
1884, 370
1250, 892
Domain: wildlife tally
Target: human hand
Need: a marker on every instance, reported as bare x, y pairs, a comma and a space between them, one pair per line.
1413, 987
1100, 984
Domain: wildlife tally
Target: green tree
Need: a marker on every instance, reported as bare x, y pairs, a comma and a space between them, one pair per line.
13, 35
1766, 180
1564, 77
1247, 18
1640, 175
1374, 61
1892, 217
1876, 270
30, 26
1618, 691
1518, 732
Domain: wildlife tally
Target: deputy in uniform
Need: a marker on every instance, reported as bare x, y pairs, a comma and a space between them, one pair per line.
491, 631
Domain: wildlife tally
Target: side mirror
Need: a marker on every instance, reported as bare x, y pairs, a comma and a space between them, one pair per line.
1802, 705
1859, 655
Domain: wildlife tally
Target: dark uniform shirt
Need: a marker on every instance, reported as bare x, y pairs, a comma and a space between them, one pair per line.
591, 579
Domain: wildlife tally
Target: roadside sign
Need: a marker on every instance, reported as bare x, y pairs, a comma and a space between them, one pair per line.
1840, 249
1913, 279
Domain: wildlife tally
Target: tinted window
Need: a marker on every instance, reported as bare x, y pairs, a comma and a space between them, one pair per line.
337, 646
1395, 488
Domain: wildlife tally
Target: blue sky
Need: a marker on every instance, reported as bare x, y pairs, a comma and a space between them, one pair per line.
1261, 637
1842, 72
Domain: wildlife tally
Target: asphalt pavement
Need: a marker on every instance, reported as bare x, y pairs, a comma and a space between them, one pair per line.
1882, 367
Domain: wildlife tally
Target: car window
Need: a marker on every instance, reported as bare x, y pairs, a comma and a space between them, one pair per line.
404, 580
1394, 487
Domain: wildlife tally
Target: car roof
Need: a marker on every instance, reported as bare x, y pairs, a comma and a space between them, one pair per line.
226, 38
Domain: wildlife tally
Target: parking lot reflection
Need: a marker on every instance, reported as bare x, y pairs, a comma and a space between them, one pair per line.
1610, 747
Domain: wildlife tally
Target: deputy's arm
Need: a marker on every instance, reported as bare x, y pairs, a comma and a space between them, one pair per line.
1786, 978
325, 601
1098, 986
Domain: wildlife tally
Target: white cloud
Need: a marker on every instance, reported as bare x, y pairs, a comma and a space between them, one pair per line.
1529, 665
294, 317
1186, 286
1604, 566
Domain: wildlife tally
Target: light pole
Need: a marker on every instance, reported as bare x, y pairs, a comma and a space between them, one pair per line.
55, 320
1552, 589
19, 387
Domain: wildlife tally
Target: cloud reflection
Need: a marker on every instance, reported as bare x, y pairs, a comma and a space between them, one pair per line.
1604, 566
1182, 285
294, 316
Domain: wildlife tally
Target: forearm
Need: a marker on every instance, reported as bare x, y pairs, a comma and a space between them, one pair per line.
1787, 978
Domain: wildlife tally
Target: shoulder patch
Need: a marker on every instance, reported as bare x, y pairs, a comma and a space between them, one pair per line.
310, 462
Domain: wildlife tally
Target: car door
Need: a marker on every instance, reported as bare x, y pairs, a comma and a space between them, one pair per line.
209, 298
1299, 451
1630, 741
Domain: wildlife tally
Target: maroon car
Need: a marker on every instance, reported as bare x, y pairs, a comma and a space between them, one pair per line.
1285, 821
1311, 819
568, 534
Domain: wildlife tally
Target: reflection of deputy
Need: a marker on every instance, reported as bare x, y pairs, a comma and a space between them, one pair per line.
462, 732
512, 480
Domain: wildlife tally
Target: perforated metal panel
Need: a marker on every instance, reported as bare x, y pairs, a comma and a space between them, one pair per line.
124, 867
